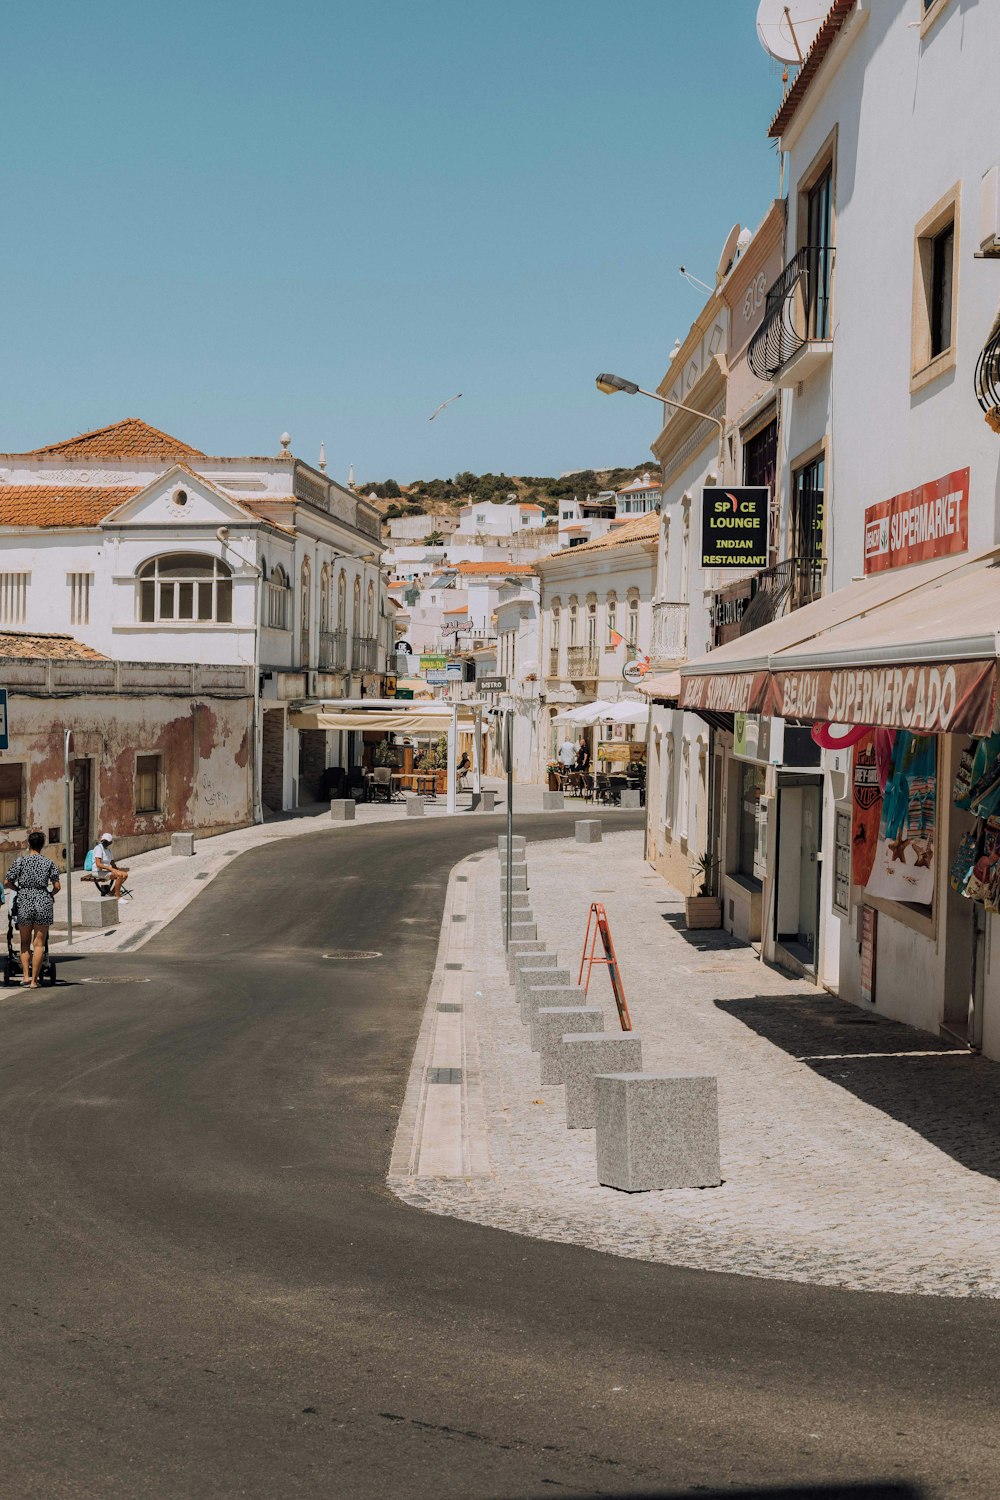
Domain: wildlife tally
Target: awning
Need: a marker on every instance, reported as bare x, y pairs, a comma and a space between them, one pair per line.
390, 715
915, 649
663, 689
605, 711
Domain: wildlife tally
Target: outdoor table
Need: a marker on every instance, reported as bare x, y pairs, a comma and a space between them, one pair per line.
422, 778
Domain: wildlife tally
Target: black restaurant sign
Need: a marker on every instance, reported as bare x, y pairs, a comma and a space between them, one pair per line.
734, 526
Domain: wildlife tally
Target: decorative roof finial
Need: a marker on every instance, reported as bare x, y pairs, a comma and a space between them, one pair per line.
350, 477
322, 457
285, 442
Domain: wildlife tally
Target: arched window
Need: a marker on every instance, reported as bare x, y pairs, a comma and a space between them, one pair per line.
324, 599
341, 600
184, 586
305, 609
356, 614
370, 613
572, 620
591, 630
633, 620
611, 616
279, 593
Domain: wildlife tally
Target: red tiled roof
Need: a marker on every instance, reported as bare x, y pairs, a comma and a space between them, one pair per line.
495, 570
131, 438
822, 42
60, 504
626, 530
52, 647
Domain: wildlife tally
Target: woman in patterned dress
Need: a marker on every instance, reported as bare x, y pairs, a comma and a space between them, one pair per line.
31, 876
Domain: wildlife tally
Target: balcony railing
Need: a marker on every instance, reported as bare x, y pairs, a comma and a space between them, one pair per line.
581, 662
779, 590
364, 653
988, 379
670, 632
796, 312
333, 650
553, 661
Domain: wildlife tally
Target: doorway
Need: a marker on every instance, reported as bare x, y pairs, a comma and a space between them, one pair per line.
797, 905
82, 825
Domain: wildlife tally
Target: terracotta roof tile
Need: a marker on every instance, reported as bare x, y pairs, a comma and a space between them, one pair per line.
638, 529
51, 647
131, 438
822, 42
495, 570
60, 504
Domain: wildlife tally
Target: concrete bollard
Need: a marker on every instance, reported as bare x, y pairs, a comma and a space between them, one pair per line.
631, 797
517, 843
414, 807
523, 930
552, 802
545, 996
531, 974
537, 958
342, 809
182, 843
518, 883
552, 1025
657, 1130
518, 870
99, 911
586, 1055
519, 901
521, 949
487, 801
588, 830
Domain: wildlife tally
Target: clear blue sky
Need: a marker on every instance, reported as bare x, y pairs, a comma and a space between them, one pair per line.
232, 219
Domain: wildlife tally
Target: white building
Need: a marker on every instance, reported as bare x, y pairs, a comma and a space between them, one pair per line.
149, 550
487, 520
518, 663
585, 520
639, 497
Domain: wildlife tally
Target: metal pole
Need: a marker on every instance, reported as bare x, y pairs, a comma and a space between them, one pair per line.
508, 759
477, 755
68, 813
452, 758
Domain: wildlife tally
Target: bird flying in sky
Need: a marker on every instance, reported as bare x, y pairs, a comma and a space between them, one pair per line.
441, 408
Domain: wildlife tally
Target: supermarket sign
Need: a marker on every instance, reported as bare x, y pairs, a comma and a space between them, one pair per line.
930, 521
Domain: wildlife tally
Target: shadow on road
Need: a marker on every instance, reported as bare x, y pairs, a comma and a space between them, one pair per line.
797, 1492
948, 1096
705, 939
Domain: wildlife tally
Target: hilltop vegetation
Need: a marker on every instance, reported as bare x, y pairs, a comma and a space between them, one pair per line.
440, 496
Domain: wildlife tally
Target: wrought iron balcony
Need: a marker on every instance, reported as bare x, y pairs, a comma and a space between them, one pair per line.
988, 378
333, 650
796, 313
581, 663
364, 653
779, 590
670, 632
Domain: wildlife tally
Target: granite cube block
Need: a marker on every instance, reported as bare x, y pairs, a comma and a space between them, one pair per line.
588, 830
523, 930
517, 843
531, 974
522, 949
552, 1025
342, 809
519, 901
414, 807
545, 996
99, 911
631, 797
518, 883
584, 1055
552, 802
182, 843
487, 801
657, 1130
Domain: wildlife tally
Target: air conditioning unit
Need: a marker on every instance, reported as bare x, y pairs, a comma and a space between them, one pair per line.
989, 213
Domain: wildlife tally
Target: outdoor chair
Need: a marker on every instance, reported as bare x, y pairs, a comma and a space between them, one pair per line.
381, 784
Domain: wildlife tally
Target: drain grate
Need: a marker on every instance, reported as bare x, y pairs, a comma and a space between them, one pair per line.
116, 979
353, 953
449, 1008
444, 1075
457, 917
453, 966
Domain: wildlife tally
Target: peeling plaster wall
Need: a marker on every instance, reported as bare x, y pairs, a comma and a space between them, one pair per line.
205, 768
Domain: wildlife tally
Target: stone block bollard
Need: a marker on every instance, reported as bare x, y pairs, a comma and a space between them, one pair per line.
552, 802
586, 1055
522, 949
532, 974
544, 996
523, 930
537, 958
487, 801
519, 901
588, 830
552, 1025
518, 883
517, 844
182, 843
657, 1130
99, 911
343, 809
631, 797
414, 807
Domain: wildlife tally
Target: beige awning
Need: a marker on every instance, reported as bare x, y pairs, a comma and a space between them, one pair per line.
666, 687
389, 715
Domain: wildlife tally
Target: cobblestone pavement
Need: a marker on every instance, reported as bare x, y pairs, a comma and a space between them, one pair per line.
856, 1152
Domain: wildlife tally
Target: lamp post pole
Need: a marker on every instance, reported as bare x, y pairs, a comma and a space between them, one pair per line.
68, 814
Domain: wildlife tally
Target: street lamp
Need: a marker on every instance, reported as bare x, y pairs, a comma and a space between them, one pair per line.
610, 385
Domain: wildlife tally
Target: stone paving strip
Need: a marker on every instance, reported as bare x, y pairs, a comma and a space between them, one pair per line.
856, 1152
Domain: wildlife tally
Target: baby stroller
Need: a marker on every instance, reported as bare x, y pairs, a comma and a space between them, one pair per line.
12, 963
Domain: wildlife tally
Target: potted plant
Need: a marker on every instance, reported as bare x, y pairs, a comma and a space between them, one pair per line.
386, 755
552, 772
703, 909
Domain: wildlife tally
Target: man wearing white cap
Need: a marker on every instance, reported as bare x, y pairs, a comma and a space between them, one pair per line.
105, 866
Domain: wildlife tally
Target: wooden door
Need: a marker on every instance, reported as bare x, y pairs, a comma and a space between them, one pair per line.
82, 837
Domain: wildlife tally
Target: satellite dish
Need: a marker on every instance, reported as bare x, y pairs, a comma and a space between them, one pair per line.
728, 254
787, 28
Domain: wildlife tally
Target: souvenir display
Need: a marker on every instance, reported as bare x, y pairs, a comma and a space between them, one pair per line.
866, 808
975, 870
903, 868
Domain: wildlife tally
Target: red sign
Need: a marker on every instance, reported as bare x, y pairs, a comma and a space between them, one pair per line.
725, 692
866, 809
951, 698
931, 521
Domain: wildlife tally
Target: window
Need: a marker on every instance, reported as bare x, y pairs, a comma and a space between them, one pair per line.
931, 10
760, 466
13, 598
632, 635
751, 791
819, 240
79, 597
572, 622
305, 609
356, 617
935, 291
183, 587
279, 593
324, 599
370, 613
611, 616
147, 783
11, 784
591, 630
807, 509
842, 862
342, 599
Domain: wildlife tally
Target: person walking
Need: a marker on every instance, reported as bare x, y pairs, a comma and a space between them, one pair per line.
105, 866
35, 880
567, 754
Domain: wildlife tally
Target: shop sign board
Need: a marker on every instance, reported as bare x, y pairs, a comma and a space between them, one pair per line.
866, 809
734, 526
635, 671
725, 692
437, 677
728, 607
951, 698
404, 648
759, 738
433, 663
455, 671
390, 685
918, 525
492, 684
4, 731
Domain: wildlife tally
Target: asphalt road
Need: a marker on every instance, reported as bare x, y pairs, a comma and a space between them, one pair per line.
208, 1290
